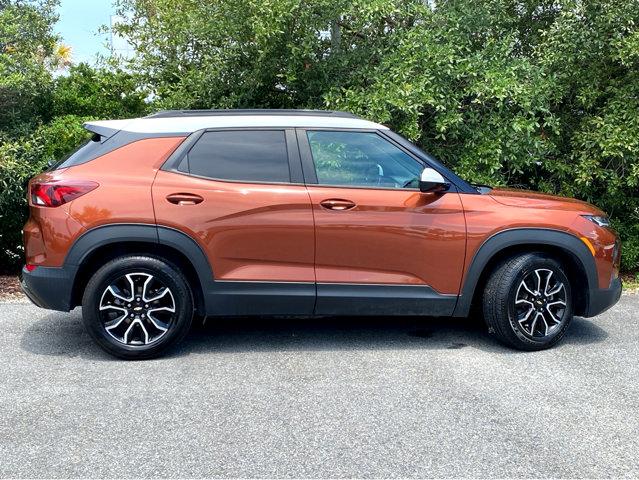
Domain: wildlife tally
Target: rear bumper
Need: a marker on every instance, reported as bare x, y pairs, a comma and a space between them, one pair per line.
602, 299
48, 287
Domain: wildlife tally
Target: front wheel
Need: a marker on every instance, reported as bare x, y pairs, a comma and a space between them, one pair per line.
527, 302
136, 307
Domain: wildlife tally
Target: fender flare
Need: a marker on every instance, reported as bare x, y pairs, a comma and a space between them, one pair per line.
522, 236
109, 234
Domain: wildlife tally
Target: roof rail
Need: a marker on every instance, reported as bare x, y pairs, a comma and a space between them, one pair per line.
258, 111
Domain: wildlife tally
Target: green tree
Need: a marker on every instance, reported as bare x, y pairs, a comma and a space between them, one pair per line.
26, 42
256, 53
98, 92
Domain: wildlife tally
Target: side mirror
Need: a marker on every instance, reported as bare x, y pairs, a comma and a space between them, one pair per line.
431, 181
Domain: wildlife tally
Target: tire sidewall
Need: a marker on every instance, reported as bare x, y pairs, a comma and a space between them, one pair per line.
165, 272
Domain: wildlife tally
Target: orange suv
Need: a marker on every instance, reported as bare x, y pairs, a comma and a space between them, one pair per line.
292, 212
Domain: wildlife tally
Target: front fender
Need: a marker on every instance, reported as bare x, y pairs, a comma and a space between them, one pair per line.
522, 236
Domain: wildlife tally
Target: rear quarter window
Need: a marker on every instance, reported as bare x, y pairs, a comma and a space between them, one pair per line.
85, 150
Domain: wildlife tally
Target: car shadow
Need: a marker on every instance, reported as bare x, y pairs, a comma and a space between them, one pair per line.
62, 334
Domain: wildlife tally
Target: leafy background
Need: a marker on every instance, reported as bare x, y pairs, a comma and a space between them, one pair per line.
533, 94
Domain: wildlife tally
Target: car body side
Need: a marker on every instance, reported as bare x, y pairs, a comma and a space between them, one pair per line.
267, 241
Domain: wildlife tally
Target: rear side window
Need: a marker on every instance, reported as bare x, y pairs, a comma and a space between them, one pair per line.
241, 155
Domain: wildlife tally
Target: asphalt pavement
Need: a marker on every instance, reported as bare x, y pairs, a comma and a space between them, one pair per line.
333, 397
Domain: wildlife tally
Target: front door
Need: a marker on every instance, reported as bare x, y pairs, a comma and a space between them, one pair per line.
382, 246
235, 193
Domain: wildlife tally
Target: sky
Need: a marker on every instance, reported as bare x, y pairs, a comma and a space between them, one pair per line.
78, 25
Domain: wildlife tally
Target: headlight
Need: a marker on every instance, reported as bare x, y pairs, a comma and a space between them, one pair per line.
599, 220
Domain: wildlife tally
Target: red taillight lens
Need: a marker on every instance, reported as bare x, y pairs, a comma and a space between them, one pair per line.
30, 268
54, 194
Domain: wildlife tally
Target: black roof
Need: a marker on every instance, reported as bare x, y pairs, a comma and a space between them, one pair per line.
257, 111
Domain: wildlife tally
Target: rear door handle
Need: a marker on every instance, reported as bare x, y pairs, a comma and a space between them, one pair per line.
337, 204
184, 198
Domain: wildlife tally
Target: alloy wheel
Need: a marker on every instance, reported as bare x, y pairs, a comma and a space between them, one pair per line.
137, 309
540, 303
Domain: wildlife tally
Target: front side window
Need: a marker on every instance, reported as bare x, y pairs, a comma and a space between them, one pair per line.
241, 155
361, 159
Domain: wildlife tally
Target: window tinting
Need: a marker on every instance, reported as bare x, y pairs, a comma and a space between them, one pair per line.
242, 155
361, 159
80, 154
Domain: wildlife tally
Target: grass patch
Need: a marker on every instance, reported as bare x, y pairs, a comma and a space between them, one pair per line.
630, 282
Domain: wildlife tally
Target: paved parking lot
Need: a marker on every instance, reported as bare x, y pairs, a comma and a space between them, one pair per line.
320, 398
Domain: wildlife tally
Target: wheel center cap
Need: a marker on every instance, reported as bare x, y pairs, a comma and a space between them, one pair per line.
138, 309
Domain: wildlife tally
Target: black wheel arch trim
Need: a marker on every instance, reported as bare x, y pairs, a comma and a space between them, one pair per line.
502, 240
110, 234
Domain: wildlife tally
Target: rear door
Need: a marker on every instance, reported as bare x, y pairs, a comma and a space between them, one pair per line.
239, 193
382, 246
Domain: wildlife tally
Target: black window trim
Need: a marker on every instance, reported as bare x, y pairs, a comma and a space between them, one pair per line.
308, 164
173, 163
459, 183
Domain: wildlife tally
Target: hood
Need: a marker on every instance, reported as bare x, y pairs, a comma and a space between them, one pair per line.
528, 199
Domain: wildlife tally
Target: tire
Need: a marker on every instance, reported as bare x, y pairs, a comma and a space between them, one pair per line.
137, 307
513, 311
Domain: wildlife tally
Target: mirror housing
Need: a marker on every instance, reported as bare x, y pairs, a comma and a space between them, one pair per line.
431, 181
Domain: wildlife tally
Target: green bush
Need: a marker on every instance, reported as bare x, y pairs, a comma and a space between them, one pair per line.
97, 92
19, 161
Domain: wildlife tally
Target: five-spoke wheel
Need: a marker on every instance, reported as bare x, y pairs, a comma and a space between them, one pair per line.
540, 303
137, 309
527, 301
137, 306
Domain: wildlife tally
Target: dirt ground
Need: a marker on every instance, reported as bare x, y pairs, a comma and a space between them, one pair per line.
10, 287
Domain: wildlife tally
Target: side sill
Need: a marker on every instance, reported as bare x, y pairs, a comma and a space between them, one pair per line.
227, 298
350, 299
260, 298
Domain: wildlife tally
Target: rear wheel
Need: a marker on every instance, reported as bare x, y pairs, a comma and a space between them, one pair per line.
137, 307
527, 302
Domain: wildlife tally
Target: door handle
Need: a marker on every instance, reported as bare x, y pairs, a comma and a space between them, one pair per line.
184, 198
337, 204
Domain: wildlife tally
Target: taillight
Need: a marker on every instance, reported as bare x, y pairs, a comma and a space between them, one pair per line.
30, 268
54, 194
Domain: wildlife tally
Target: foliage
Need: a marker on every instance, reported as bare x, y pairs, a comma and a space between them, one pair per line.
98, 92
19, 161
26, 41
253, 53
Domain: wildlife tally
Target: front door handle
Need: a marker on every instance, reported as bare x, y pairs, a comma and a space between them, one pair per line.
184, 198
337, 204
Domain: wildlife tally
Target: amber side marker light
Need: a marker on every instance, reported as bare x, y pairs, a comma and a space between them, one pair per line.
589, 245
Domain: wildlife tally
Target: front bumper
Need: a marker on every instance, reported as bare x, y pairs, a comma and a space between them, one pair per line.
49, 287
602, 299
